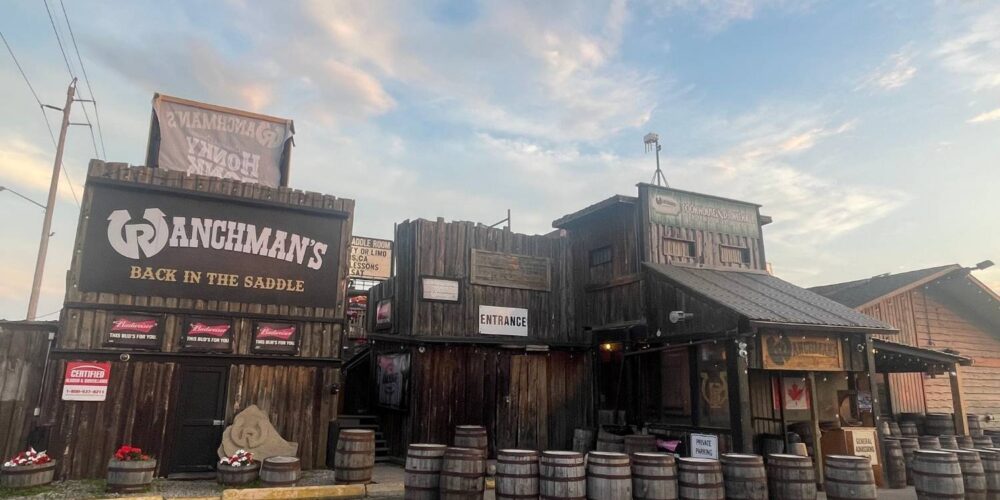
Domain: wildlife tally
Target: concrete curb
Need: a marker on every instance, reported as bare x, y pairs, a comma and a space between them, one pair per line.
297, 492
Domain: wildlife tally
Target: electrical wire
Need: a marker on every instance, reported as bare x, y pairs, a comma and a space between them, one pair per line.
86, 79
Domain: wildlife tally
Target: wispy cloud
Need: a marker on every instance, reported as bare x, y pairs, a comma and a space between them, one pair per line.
719, 14
988, 116
975, 53
27, 168
897, 70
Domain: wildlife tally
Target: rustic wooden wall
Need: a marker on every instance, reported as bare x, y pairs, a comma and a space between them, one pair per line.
23, 346
662, 296
906, 389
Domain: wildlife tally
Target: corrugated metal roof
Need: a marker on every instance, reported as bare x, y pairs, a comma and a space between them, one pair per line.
589, 210
860, 292
763, 298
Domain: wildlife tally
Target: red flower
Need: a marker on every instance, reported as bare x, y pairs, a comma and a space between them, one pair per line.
129, 452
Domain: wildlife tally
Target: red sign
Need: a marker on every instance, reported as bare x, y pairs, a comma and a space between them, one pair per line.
276, 338
134, 330
207, 334
86, 381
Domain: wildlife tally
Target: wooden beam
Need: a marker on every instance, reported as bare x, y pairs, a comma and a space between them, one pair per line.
741, 420
876, 406
817, 437
958, 401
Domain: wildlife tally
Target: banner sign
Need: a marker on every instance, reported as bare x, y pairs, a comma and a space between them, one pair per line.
86, 381
207, 334
790, 352
276, 338
705, 446
393, 377
371, 258
503, 321
509, 270
672, 207
134, 330
203, 139
142, 240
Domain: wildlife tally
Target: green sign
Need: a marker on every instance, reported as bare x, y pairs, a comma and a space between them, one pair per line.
690, 210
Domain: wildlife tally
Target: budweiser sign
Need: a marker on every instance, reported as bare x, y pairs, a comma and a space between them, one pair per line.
213, 330
207, 334
268, 332
125, 325
134, 331
276, 338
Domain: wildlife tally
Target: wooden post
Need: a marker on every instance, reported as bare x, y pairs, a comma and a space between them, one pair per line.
958, 401
740, 419
876, 405
817, 437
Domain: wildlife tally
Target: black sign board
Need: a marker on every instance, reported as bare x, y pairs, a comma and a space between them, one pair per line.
205, 334
134, 331
276, 337
152, 240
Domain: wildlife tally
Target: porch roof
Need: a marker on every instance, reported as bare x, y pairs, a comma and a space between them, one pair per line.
893, 357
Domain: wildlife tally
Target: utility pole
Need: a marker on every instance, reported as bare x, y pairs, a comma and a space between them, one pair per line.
43, 246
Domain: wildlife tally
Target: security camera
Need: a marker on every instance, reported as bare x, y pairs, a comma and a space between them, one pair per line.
678, 316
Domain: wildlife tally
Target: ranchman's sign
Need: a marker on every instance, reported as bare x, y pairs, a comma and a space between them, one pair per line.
371, 258
86, 381
503, 321
510, 270
672, 207
144, 240
203, 139
790, 352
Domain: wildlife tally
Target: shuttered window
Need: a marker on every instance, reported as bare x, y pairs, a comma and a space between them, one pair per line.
678, 248
600, 264
734, 255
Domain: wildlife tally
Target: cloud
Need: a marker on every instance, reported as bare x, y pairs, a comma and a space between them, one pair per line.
28, 169
975, 53
719, 14
988, 116
894, 73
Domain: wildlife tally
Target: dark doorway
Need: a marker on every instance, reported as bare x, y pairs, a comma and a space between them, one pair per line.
200, 419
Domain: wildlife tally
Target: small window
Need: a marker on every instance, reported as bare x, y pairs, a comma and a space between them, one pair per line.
734, 255
679, 248
600, 256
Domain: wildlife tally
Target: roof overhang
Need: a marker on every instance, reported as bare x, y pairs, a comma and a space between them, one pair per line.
892, 357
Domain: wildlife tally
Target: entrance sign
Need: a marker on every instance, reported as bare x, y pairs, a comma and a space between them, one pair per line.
705, 446
134, 330
439, 289
275, 338
509, 270
672, 207
503, 321
86, 381
151, 240
203, 334
203, 139
371, 258
790, 352
795, 394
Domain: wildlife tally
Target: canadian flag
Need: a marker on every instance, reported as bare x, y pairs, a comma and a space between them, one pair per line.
796, 394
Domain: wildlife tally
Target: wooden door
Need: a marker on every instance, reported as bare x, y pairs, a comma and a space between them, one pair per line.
525, 413
200, 419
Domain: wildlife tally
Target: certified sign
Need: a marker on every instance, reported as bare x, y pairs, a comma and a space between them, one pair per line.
86, 381
503, 321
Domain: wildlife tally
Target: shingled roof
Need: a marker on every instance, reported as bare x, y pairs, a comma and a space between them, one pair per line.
860, 292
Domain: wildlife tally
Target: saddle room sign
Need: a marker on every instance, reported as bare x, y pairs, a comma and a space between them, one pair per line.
798, 352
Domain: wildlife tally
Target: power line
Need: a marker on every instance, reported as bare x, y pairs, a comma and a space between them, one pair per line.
86, 79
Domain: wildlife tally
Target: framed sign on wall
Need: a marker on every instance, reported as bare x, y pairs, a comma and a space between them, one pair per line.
135, 331
275, 337
434, 289
206, 334
383, 314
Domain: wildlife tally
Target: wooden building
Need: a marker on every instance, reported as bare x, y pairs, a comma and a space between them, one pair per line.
196, 297
940, 308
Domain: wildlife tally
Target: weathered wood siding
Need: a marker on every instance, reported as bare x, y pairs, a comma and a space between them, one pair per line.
662, 296
22, 362
906, 389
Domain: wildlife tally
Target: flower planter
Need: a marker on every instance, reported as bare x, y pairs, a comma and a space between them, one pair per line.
130, 476
23, 476
233, 476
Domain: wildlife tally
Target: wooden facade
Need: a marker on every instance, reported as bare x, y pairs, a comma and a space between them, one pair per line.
146, 400
23, 349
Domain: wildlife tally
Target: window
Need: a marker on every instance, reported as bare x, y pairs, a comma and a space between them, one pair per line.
678, 248
600, 256
734, 255
600, 264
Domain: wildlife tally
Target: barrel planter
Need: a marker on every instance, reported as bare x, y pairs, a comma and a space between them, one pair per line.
908, 429
991, 467
790, 477
607, 441
982, 442
130, 476
895, 430
937, 424
561, 474
471, 436
937, 475
422, 471
654, 476
973, 475
517, 474
463, 474
929, 442
745, 476
280, 471
26, 476
700, 479
963, 442
909, 445
230, 475
849, 477
640, 443
609, 476
355, 457
583, 440
895, 463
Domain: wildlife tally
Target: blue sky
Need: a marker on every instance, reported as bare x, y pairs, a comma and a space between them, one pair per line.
868, 130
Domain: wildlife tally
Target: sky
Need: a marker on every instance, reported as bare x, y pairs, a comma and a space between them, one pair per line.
867, 130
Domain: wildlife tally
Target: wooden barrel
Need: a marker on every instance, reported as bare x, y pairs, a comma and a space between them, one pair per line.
996, 440
973, 474
228, 475
982, 442
883, 427
280, 471
929, 442
640, 443
991, 467
463, 474
561, 474
975, 425
895, 430
909, 445
609, 476
607, 441
700, 479
908, 429
654, 476
744, 476
790, 477
355, 457
937, 475
937, 424
130, 476
948, 442
799, 449
963, 442
517, 474
895, 463
849, 477
471, 436
583, 440
26, 476
422, 472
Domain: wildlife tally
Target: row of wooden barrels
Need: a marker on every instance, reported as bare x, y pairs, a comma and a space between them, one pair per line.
934, 424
